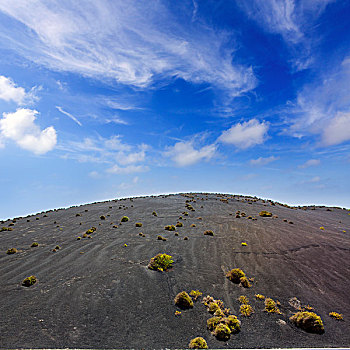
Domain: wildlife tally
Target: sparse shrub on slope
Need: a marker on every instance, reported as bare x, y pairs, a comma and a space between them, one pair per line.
183, 300
124, 219
198, 343
265, 214
138, 224
222, 332
169, 228
161, 262
308, 321
235, 275
34, 244
29, 281
271, 307
336, 315
11, 251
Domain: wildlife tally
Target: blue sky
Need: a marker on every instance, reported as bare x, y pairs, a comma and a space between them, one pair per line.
107, 99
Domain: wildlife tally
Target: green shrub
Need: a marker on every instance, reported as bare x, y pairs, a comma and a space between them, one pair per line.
169, 228
245, 282
161, 238
179, 224
213, 322
270, 306
244, 244
29, 281
336, 315
78, 238
198, 343
246, 310
185, 238
232, 322
138, 224
265, 214
308, 321
154, 213
195, 294
124, 219
91, 230
35, 244
243, 299
11, 251
193, 225
183, 300
259, 296
212, 307
102, 217
208, 233
235, 275
161, 262
222, 332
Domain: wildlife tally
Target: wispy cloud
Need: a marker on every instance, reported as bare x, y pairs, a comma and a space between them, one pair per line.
263, 161
118, 156
129, 42
130, 169
21, 128
246, 134
292, 20
69, 115
323, 107
310, 162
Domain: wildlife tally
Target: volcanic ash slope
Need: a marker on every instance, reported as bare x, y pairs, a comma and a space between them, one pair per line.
94, 289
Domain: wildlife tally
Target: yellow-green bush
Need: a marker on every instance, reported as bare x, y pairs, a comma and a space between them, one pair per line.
161, 262
308, 321
183, 300
198, 343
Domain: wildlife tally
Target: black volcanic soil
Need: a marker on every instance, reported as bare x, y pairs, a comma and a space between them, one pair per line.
99, 293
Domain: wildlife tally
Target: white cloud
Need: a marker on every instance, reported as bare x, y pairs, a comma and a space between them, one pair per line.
315, 179
129, 42
10, 92
115, 143
20, 127
133, 157
116, 169
263, 161
69, 115
184, 153
323, 107
245, 135
337, 130
310, 162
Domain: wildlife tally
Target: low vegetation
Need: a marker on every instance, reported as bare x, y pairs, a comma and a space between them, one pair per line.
161, 262
246, 310
11, 251
198, 343
336, 315
308, 321
169, 228
29, 281
271, 307
265, 214
195, 294
138, 224
124, 219
183, 300
208, 233
35, 244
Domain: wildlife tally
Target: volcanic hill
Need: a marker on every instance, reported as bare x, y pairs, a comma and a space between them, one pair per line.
93, 287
